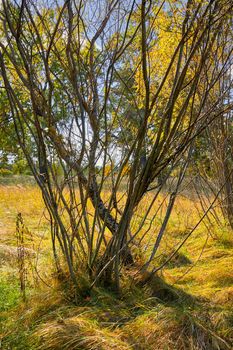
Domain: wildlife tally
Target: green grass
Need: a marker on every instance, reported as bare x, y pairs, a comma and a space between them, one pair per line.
10, 294
13, 334
19, 180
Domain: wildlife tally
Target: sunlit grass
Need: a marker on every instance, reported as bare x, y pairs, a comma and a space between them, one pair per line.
200, 275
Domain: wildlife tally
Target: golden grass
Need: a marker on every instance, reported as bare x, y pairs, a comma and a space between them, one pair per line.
166, 329
79, 333
138, 321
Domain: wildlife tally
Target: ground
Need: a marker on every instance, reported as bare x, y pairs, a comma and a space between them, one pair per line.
188, 305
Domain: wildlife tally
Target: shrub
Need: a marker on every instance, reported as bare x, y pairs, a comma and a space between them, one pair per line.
5, 172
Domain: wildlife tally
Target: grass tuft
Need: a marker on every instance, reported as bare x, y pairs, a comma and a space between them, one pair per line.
79, 332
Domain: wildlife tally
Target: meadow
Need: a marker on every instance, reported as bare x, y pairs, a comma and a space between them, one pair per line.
187, 306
